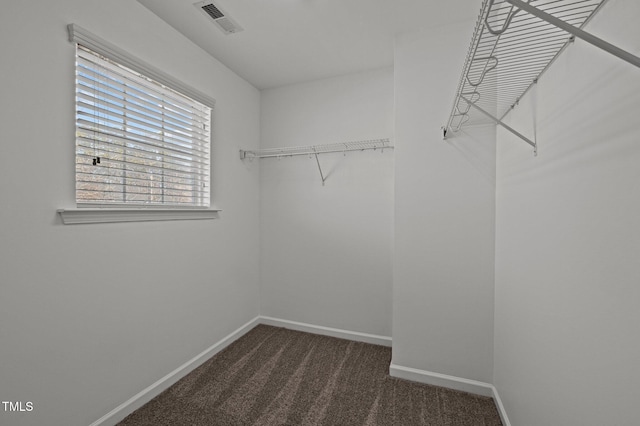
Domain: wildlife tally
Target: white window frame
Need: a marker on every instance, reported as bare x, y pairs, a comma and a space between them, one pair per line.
89, 214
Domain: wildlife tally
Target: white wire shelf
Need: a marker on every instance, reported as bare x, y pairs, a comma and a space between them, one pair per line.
514, 43
374, 144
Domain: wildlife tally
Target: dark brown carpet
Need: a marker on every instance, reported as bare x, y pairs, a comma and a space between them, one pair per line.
273, 376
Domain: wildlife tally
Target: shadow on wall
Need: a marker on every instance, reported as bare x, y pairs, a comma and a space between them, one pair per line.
568, 106
478, 146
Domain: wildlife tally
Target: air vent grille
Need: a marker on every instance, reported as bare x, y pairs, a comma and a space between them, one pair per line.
220, 18
212, 11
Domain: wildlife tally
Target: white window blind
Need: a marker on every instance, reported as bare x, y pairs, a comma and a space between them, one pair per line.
138, 142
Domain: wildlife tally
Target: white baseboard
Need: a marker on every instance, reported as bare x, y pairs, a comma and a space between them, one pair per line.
451, 382
407, 373
327, 331
500, 406
443, 380
146, 395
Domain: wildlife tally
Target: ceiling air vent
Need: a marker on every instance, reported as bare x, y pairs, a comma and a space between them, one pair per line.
219, 17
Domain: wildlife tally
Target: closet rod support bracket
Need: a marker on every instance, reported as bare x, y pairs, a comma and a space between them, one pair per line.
247, 154
533, 144
320, 169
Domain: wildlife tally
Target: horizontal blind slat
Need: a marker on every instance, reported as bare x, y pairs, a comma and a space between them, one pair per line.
158, 116
114, 170
184, 172
109, 129
93, 83
86, 197
134, 95
110, 152
98, 146
113, 128
160, 183
98, 63
129, 119
136, 188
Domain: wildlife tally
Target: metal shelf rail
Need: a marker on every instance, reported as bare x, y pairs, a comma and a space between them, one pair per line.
513, 44
315, 150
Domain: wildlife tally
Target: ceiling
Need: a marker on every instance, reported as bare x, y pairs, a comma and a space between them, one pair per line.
292, 41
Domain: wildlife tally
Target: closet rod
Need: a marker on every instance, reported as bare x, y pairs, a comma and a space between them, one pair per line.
374, 144
589, 38
314, 150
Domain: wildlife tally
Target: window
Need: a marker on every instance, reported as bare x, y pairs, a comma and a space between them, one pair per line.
140, 140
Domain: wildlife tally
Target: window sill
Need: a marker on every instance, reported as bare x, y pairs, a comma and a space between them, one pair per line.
82, 216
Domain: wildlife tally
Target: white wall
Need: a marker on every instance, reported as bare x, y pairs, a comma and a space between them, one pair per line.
444, 216
568, 239
92, 314
326, 250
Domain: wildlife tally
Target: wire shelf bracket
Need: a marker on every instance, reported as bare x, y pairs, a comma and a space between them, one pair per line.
315, 150
514, 43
